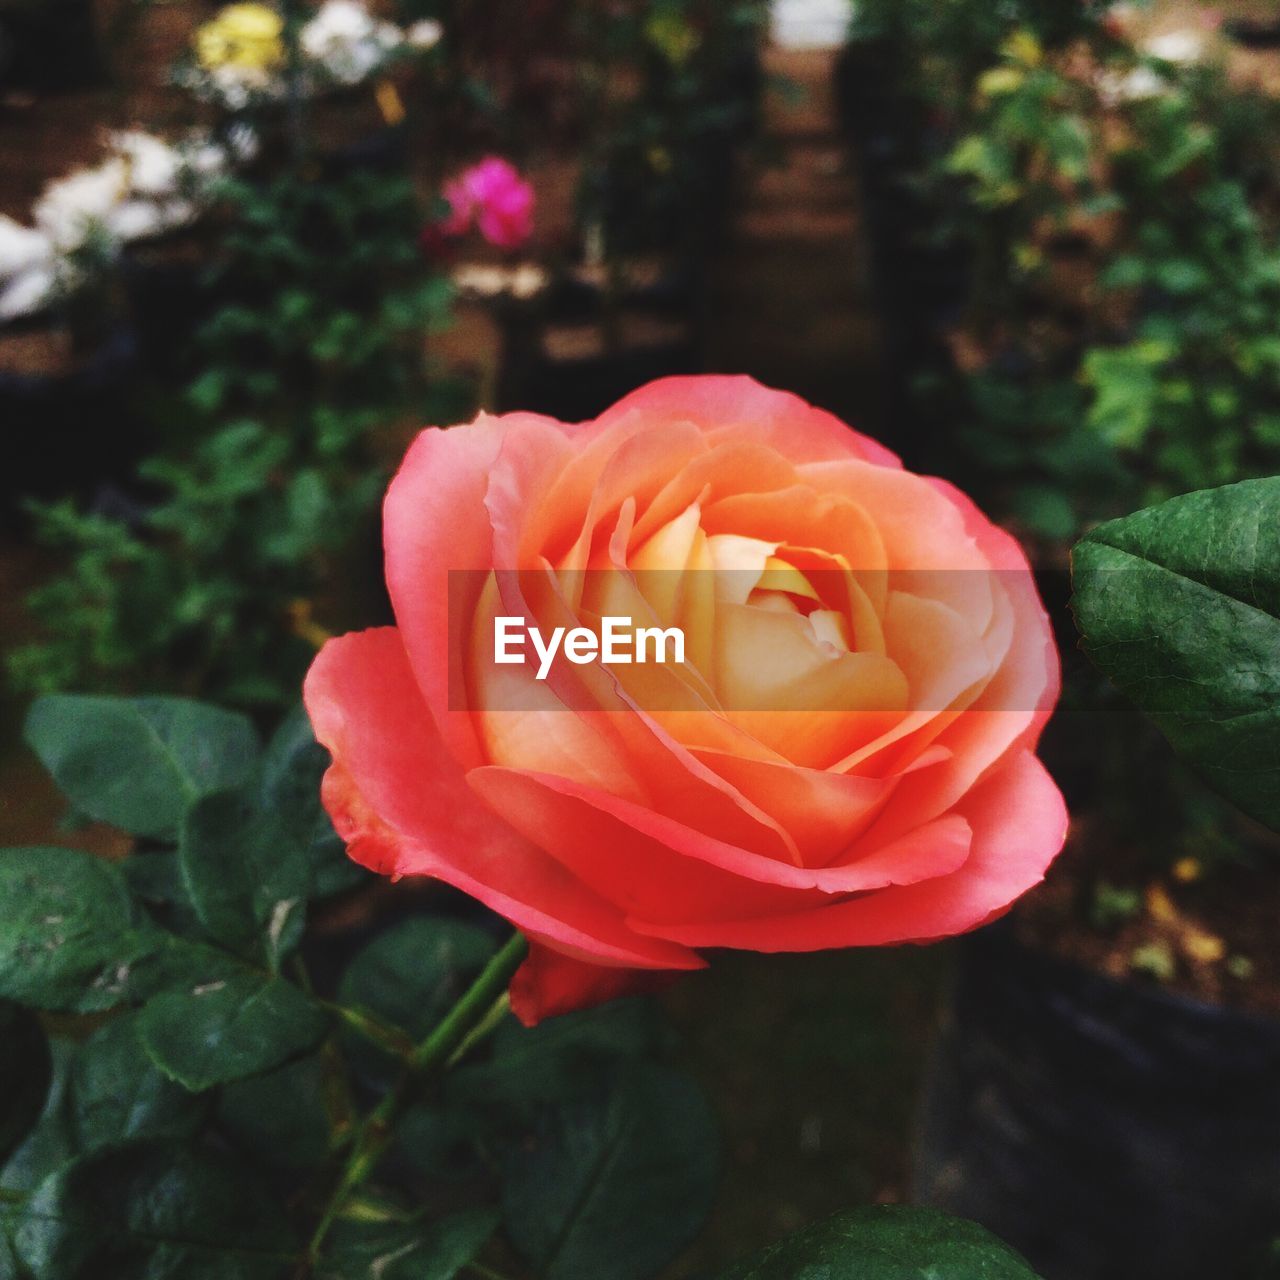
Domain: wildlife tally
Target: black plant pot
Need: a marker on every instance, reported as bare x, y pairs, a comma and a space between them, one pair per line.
383, 151
1254, 33
70, 432
1107, 1130
169, 300
866, 77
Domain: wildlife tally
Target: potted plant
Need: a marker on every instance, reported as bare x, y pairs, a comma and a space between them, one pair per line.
1123, 1064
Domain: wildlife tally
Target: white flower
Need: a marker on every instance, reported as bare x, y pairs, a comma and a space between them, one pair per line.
242, 144
1176, 46
425, 34
155, 167
1133, 86
28, 291
346, 40
206, 159
139, 219
231, 86
21, 248
71, 208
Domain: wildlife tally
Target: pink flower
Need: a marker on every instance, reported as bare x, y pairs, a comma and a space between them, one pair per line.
494, 196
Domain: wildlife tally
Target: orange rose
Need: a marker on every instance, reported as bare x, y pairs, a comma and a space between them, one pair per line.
844, 757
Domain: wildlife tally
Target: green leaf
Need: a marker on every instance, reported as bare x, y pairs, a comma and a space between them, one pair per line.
279, 1118
26, 1072
247, 877
1125, 391
406, 1251
885, 1242
68, 934
560, 1057
446, 1143
412, 974
117, 1094
1180, 606
156, 1211
292, 767
139, 763
614, 1187
228, 1029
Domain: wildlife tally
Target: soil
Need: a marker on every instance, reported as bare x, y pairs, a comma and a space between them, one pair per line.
36, 352
1205, 932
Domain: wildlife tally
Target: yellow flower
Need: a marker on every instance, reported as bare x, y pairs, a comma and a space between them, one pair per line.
241, 35
1001, 80
1022, 47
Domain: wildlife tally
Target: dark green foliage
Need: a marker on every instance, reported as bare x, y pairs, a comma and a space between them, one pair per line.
888, 1242
269, 482
613, 1186
138, 1147
1180, 606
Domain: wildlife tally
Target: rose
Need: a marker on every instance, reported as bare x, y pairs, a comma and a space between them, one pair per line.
494, 196
845, 759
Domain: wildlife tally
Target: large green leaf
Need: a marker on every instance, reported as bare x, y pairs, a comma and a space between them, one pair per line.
68, 931
885, 1242
406, 1251
1180, 606
246, 876
150, 1211
228, 1029
139, 763
614, 1187
118, 1094
26, 1071
289, 784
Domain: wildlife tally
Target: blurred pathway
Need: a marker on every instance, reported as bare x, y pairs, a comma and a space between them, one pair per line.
792, 298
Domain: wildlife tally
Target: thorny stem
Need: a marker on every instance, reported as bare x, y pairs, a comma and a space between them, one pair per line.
460, 1028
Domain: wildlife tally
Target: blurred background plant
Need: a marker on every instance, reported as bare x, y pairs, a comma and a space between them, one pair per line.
277, 276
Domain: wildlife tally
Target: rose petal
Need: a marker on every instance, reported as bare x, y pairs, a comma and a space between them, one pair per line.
549, 983
1019, 823
739, 408
400, 801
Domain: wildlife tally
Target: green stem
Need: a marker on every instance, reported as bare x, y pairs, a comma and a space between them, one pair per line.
485, 1273
428, 1059
386, 1037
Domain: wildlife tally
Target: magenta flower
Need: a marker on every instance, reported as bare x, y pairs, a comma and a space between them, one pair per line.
493, 196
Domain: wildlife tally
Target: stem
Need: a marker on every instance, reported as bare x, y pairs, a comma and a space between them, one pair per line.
428, 1059
386, 1037
497, 1011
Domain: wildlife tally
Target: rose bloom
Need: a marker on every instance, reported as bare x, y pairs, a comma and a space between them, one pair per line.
845, 758
494, 196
